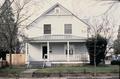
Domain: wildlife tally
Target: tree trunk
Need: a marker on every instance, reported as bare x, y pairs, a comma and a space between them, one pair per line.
10, 64
10, 52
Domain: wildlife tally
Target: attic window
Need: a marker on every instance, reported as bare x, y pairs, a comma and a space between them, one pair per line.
57, 10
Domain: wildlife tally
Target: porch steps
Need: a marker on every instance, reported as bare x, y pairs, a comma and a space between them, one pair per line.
34, 64
41, 64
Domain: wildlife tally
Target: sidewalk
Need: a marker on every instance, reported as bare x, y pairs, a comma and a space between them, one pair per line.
27, 73
67, 78
34, 78
30, 70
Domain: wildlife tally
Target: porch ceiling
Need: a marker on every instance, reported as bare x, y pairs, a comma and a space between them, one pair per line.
57, 38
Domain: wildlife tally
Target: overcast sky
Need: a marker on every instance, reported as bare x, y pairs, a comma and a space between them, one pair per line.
82, 8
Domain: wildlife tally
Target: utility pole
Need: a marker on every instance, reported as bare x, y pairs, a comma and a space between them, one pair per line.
95, 55
119, 69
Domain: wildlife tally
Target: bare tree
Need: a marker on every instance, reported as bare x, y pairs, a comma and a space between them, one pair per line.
103, 26
112, 2
117, 44
10, 22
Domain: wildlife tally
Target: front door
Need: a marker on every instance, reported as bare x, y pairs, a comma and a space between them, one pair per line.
44, 50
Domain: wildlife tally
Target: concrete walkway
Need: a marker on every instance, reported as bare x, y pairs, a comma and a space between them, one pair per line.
67, 78
30, 70
28, 73
34, 78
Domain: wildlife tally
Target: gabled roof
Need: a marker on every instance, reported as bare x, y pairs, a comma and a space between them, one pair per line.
53, 7
57, 4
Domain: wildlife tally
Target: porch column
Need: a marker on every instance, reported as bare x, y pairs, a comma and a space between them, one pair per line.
68, 47
26, 54
48, 50
26, 51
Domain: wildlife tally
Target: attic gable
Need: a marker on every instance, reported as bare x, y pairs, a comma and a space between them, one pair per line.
63, 12
57, 10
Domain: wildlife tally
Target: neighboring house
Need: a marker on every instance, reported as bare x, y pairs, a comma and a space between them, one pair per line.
57, 36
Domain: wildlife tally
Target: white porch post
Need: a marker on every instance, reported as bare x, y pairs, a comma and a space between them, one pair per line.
48, 50
68, 47
26, 54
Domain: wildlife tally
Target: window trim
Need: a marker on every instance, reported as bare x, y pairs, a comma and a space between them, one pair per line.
47, 29
67, 28
71, 50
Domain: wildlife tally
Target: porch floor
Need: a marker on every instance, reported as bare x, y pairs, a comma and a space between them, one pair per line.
68, 62
54, 63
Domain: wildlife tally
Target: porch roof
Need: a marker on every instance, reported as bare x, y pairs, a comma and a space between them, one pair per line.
57, 38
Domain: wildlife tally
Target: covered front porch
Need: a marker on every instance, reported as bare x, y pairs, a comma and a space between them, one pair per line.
64, 51
59, 51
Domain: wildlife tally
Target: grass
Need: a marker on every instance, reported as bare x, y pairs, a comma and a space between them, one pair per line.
66, 69
80, 69
13, 70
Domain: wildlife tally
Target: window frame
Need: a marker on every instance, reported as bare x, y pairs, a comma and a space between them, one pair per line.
47, 29
67, 28
71, 50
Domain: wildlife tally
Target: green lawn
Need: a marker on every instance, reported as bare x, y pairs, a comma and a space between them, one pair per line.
66, 69
12, 70
80, 69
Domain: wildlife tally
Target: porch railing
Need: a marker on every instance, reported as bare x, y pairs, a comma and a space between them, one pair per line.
75, 58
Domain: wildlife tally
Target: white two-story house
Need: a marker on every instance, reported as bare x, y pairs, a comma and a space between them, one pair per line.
57, 36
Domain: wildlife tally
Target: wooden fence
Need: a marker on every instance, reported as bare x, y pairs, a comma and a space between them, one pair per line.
17, 59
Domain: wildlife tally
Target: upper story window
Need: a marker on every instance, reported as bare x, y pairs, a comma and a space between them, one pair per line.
68, 28
47, 28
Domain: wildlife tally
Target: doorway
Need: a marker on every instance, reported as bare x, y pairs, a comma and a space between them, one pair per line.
44, 51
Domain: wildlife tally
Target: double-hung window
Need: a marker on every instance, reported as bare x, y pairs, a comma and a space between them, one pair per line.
68, 28
47, 28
